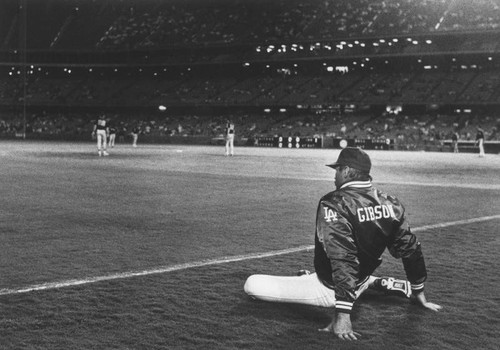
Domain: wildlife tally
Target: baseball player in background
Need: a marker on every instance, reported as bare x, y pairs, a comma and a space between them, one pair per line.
229, 138
354, 225
454, 139
480, 141
112, 135
101, 132
135, 135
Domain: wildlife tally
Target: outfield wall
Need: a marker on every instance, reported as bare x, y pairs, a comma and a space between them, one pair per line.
277, 142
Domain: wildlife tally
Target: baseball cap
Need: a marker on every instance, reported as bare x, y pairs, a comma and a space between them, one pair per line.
355, 158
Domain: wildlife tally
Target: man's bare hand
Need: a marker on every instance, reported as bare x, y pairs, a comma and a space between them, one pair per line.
341, 326
432, 306
421, 299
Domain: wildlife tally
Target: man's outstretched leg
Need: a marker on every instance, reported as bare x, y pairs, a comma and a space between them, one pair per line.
305, 289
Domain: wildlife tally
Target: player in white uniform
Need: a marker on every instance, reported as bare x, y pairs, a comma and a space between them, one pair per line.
112, 136
135, 135
101, 131
480, 141
229, 138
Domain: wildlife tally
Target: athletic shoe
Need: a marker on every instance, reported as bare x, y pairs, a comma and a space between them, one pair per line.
392, 286
303, 272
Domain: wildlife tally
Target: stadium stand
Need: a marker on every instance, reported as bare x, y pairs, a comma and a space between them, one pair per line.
280, 67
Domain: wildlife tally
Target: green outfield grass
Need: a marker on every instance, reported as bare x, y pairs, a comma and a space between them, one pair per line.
135, 250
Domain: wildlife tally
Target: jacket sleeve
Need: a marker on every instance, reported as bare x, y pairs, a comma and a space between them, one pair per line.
405, 246
335, 235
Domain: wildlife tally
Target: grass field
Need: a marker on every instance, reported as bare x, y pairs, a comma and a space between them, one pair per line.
149, 248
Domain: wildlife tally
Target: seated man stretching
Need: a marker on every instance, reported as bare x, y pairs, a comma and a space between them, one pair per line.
354, 225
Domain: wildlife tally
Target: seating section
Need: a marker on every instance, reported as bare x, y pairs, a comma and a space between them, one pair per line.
130, 24
159, 38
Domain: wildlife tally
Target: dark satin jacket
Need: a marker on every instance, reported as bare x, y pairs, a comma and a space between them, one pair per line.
354, 225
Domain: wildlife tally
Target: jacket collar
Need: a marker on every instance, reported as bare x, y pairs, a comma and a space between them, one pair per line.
357, 184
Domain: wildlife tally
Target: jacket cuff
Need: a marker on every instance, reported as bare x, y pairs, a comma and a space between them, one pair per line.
343, 306
417, 288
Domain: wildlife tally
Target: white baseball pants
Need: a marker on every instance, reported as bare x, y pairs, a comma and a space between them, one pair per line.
305, 289
101, 140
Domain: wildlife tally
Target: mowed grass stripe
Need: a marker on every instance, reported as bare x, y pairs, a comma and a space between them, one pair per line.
217, 261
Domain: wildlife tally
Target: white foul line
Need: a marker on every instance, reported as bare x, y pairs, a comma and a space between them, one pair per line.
218, 261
